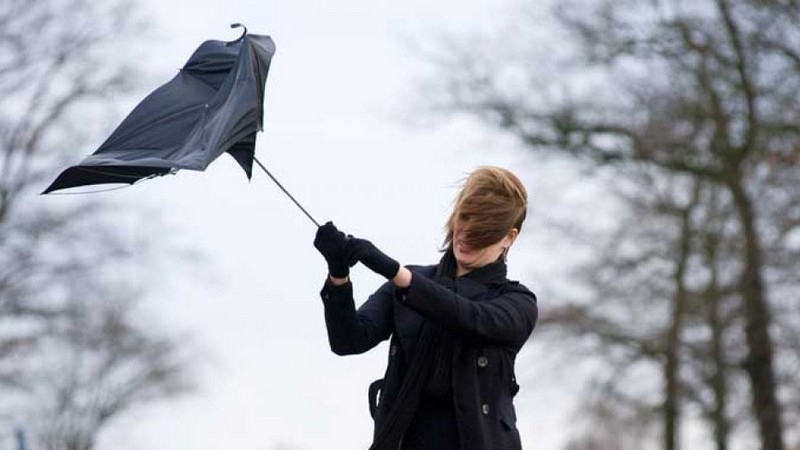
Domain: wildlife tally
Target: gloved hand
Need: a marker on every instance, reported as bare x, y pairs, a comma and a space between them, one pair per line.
374, 259
335, 248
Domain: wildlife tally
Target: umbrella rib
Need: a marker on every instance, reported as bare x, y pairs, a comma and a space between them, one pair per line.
91, 192
285, 191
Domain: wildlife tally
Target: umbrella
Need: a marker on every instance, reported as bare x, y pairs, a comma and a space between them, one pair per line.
214, 105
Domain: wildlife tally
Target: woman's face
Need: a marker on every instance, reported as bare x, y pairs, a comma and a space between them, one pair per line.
469, 258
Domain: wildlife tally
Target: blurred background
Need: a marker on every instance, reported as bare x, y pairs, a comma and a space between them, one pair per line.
659, 141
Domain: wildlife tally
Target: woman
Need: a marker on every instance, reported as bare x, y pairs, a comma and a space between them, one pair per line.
455, 327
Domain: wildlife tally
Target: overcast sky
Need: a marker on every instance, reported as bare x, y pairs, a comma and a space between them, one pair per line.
337, 134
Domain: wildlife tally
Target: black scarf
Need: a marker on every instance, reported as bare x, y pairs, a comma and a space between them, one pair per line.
442, 359
430, 369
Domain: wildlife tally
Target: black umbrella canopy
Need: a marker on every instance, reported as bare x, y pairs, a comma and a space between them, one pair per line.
212, 106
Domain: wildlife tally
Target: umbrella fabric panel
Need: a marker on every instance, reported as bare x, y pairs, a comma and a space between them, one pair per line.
87, 176
236, 112
159, 126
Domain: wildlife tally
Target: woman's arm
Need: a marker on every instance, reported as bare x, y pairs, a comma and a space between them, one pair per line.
338, 281
508, 318
403, 278
352, 331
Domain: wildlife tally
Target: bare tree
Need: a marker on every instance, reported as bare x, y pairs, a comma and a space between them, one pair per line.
704, 90
644, 302
74, 350
95, 363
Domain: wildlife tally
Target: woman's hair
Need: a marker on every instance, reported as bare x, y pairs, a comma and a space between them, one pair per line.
493, 201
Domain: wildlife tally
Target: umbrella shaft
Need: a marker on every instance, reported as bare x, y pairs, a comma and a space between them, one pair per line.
285, 191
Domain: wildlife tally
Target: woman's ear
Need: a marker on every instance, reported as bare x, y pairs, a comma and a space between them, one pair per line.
511, 237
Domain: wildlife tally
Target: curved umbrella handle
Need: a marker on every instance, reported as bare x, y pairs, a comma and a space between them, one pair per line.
239, 25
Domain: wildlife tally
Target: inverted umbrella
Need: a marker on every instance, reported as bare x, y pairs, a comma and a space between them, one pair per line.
214, 105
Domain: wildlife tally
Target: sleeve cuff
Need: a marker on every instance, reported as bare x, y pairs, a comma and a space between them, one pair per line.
332, 292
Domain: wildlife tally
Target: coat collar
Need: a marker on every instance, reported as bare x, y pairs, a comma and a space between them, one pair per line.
493, 273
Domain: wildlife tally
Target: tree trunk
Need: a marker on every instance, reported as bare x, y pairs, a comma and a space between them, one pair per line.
759, 361
717, 378
672, 366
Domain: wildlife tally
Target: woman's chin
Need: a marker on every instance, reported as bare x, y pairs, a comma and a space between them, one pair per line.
465, 260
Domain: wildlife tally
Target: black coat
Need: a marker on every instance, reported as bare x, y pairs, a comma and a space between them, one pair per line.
491, 318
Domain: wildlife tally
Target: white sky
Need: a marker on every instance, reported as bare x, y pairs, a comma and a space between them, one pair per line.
337, 95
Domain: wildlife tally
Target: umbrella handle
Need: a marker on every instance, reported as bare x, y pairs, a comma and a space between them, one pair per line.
239, 25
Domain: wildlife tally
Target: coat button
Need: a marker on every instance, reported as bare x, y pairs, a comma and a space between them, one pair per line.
483, 361
393, 350
485, 409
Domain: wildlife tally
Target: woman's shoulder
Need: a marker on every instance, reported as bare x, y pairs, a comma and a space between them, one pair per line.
516, 286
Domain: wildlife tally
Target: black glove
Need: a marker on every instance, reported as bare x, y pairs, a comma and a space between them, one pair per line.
374, 259
335, 248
